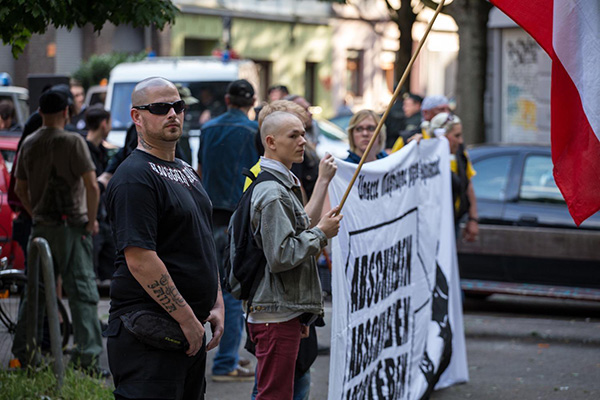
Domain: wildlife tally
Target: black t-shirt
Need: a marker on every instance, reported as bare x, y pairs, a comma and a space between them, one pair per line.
100, 159
161, 206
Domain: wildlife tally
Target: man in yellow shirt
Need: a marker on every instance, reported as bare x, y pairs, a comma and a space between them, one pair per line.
430, 107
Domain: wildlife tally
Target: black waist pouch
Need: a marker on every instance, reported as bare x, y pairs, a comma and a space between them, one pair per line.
155, 329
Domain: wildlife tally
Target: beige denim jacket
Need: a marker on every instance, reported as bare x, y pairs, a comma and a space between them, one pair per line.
291, 281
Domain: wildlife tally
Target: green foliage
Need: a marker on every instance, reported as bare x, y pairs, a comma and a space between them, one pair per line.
41, 383
19, 19
98, 67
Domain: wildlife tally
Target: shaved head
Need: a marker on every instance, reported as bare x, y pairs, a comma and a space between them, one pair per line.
141, 90
156, 130
282, 135
283, 105
273, 121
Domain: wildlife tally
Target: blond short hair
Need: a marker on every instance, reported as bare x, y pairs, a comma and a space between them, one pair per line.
285, 106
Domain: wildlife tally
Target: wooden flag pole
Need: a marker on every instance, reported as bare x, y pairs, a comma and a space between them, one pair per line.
389, 107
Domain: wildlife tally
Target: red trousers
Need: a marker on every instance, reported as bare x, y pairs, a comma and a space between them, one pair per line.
276, 352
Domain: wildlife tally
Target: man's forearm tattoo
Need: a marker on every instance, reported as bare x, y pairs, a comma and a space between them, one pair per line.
144, 143
167, 293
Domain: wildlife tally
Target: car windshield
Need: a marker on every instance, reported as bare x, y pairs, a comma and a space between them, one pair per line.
492, 176
24, 108
210, 96
121, 104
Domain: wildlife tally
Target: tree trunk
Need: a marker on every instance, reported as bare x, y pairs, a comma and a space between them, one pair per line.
471, 16
405, 18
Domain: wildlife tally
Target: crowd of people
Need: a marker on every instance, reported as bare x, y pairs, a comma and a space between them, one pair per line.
158, 231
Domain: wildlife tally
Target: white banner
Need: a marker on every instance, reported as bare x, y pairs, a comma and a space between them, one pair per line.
397, 329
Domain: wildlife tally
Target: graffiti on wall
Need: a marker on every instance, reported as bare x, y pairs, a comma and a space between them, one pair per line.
519, 73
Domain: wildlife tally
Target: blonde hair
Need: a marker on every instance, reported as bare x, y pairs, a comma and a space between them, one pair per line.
283, 106
286, 106
360, 117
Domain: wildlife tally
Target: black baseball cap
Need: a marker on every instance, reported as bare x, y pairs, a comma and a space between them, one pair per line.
414, 97
53, 101
64, 89
241, 88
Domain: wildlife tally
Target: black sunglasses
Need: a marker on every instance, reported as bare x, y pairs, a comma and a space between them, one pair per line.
162, 108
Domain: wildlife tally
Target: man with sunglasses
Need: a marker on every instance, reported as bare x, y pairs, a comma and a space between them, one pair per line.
131, 142
166, 267
226, 149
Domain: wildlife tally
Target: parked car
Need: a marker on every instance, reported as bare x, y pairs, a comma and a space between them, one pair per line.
95, 95
10, 248
342, 121
528, 243
332, 140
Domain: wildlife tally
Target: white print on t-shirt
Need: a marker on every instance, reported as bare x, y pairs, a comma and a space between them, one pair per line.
183, 176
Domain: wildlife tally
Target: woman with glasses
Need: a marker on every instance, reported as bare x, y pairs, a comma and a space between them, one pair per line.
360, 131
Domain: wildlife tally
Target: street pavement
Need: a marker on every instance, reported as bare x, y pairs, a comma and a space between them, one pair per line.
528, 348
243, 390
517, 348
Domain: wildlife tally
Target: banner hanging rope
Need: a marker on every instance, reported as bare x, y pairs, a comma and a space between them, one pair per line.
392, 101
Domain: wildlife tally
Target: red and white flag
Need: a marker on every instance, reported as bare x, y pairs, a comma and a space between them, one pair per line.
569, 31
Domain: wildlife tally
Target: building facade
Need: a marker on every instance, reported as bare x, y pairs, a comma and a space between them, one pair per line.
327, 52
330, 53
517, 101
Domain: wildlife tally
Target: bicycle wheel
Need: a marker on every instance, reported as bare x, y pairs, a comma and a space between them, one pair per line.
12, 286
64, 325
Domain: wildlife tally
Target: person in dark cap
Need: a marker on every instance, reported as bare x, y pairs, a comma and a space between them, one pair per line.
56, 184
22, 223
226, 148
70, 125
412, 111
430, 107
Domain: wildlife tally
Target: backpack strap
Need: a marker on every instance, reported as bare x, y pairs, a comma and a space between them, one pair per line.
248, 174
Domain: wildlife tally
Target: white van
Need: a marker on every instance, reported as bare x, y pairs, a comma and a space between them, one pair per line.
206, 77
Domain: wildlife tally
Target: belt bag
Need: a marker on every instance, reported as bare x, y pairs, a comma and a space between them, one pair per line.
155, 329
